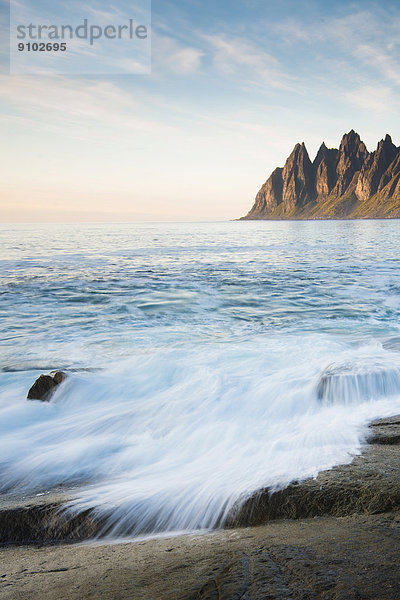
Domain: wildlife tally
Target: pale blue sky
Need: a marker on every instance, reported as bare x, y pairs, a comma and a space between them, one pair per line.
234, 85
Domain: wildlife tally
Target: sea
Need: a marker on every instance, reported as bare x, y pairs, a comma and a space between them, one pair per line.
194, 355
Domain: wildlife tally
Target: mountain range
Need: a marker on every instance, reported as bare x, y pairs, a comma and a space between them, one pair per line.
344, 183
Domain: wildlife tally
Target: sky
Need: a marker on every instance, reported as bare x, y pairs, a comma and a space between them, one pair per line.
234, 85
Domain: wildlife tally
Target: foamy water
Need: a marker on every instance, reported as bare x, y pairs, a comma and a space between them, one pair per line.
194, 354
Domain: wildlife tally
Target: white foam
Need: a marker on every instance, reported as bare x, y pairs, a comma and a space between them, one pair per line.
169, 440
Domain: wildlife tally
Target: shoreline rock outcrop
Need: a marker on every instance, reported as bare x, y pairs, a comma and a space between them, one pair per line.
368, 485
344, 183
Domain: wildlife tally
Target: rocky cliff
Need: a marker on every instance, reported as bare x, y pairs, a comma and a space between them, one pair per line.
348, 183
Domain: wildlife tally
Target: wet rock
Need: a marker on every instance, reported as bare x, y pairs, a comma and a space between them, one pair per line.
358, 382
385, 431
44, 386
59, 377
43, 520
368, 485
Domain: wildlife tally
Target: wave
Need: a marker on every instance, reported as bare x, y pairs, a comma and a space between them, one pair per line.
173, 439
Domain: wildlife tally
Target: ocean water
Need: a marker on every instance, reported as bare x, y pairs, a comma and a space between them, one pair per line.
195, 353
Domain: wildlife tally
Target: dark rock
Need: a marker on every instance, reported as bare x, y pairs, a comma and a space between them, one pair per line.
41, 389
346, 183
270, 195
385, 431
288, 187
43, 519
298, 179
352, 156
325, 171
59, 377
372, 172
44, 385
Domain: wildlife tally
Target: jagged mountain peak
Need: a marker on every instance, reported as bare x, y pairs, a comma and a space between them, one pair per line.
323, 153
298, 155
339, 183
386, 143
350, 136
299, 149
352, 144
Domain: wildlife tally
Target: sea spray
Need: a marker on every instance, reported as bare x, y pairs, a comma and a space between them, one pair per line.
172, 440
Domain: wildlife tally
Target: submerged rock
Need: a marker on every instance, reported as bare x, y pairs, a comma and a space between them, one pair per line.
358, 382
44, 386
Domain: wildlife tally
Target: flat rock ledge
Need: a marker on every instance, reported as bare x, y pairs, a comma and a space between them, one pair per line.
324, 558
42, 520
370, 485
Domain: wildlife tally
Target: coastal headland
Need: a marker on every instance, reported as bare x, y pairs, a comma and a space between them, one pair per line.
344, 183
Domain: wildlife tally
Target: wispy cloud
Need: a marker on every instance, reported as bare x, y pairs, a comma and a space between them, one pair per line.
169, 54
375, 99
232, 55
367, 39
356, 55
59, 103
388, 65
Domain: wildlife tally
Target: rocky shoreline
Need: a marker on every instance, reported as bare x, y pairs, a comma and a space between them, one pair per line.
369, 485
323, 558
333, 537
